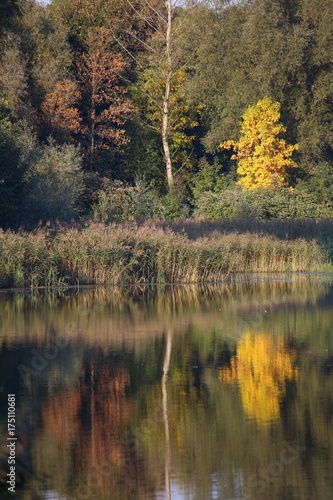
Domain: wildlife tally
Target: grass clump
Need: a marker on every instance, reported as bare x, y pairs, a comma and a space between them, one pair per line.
147, 253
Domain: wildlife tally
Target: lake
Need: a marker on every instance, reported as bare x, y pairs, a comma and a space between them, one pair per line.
171, 392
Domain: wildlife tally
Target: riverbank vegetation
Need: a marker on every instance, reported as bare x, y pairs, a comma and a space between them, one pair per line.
117, 110
150, 253
113, 113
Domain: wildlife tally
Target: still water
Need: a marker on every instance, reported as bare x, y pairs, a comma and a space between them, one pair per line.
178, 393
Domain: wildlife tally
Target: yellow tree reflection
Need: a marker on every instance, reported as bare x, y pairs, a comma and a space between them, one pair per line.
261, 367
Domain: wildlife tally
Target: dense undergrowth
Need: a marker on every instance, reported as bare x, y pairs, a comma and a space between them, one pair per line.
174, 252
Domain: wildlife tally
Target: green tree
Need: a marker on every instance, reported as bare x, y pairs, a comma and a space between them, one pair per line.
9, 9
54, 184
36, 56
82, 16
214, 61
313, 110
13, 76
11, 176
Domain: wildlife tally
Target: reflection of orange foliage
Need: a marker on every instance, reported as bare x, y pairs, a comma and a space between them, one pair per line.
61, 414
92, 418
261, 367
110, 413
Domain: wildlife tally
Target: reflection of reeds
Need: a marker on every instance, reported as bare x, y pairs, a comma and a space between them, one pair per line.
145, 254
114, 316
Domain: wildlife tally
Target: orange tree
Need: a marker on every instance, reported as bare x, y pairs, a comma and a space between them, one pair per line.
105, 108
60, 110
263, 157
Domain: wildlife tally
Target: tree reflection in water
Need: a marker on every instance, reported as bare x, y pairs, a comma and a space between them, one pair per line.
166, 366
261, 367
187, 389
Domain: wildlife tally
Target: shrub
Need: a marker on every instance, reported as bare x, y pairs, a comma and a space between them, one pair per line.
174, 206
211, 177
260, 203
222, 205
120, 202
55, 183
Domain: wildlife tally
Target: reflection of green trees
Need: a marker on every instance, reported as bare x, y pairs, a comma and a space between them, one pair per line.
208, 429
101, 397
309, 411
112, 315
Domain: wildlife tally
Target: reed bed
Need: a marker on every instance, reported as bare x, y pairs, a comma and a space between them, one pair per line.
289, 229
133, 254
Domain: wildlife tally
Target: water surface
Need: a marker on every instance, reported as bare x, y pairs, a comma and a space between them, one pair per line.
181, 392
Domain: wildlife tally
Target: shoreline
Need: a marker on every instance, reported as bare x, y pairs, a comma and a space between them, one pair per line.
148, 254
235, 278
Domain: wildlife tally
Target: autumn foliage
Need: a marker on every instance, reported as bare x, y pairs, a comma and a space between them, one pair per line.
263, 157
110, 412
100, 71
94, 108
61, 111
261, 368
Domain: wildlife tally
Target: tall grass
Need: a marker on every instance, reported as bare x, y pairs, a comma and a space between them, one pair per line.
126, 254
288, 229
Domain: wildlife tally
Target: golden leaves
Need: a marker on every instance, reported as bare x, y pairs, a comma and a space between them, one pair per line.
263, 157
261, 367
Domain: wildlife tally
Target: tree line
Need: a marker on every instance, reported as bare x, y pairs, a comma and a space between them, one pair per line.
118, 109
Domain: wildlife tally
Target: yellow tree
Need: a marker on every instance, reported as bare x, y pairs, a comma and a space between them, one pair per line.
263, 157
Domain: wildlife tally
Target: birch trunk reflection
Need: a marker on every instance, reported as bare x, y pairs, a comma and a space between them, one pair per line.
166, 366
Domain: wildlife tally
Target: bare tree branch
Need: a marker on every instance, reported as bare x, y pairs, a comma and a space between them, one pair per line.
159, 14
142, 17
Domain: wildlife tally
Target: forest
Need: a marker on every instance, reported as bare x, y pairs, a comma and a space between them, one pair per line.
115, 110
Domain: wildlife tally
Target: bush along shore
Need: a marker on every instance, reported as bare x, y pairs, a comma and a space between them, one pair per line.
149, 254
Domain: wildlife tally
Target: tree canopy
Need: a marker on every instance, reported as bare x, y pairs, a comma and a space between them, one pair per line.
143, 111
263, 157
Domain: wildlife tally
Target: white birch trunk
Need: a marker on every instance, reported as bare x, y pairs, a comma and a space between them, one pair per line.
165, 121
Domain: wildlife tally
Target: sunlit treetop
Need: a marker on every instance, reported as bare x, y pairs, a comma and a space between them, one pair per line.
264, 158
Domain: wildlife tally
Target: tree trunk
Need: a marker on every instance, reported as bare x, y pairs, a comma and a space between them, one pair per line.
165, 122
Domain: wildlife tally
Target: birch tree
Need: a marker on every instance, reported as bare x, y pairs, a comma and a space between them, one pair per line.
160, 56
165, 120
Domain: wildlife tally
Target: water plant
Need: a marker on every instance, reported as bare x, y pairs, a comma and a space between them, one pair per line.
149, 253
